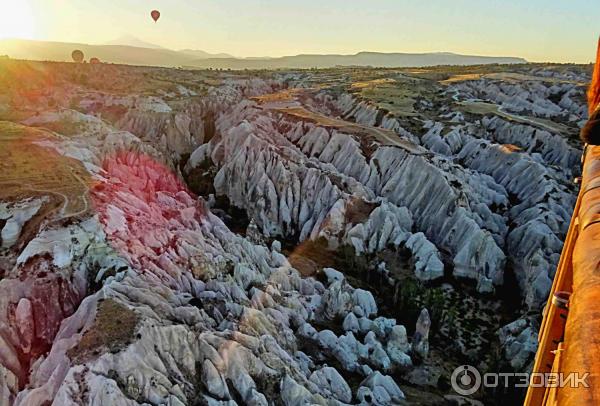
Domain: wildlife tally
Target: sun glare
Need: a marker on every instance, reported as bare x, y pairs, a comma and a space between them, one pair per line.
16, 20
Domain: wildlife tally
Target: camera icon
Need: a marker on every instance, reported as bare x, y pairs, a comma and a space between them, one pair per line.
466, 380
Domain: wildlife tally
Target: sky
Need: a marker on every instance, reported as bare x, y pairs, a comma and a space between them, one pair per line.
537, 30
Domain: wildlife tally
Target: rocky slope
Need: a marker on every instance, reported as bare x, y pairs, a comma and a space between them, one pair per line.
273, 238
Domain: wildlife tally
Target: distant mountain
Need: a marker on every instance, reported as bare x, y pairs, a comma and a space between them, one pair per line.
151, 56
257, 58
376, 59
130, 40
61, 51
204, 55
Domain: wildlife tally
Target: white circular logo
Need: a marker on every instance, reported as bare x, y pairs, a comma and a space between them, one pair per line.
466, 380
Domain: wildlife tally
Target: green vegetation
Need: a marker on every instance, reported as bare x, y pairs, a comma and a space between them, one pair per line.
200, 179
397, 94
113, 329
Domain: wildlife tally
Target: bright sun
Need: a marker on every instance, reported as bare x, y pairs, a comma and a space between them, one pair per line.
16, 19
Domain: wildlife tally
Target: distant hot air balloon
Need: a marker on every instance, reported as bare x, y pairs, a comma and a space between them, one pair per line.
155, 15
77, 56
94, 61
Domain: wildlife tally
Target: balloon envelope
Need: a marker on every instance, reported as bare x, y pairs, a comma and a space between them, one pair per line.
77, 56
94, 60
155, 15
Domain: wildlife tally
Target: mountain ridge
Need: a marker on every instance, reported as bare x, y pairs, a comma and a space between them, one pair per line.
204, 54
130, 40
135, 55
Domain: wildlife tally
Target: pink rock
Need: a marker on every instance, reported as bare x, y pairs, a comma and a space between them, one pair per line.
25, 323
148, 200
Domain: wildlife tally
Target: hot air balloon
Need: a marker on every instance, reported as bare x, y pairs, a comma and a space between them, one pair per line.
77, 56
94, 61
155, 15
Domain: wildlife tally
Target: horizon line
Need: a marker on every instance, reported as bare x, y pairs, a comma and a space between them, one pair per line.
163, 48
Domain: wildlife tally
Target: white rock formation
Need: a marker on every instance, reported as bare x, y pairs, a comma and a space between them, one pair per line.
15, 217
151, 299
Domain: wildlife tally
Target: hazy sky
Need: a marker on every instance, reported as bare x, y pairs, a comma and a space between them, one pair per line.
548, 30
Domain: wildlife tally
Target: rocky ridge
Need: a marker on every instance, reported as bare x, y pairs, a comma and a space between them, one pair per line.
149, 297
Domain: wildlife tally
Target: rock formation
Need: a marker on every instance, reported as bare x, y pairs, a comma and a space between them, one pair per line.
260, 238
